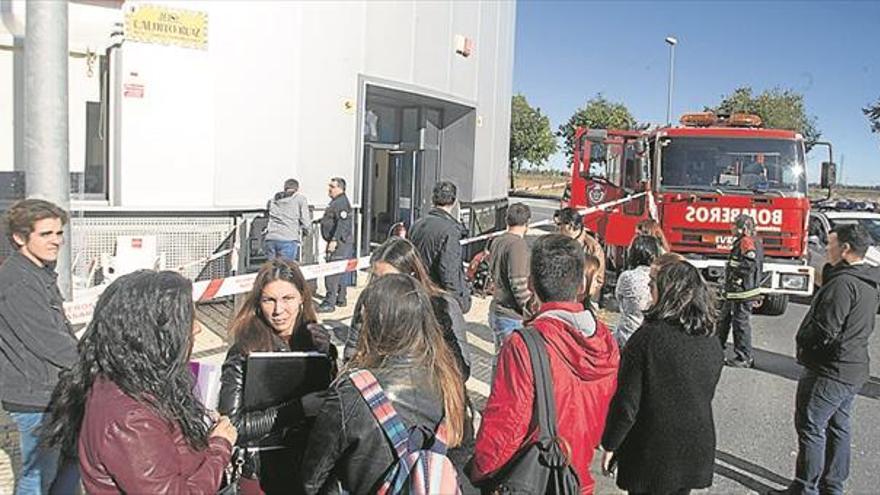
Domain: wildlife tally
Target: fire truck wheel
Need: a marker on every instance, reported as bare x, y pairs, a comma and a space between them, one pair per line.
773, 305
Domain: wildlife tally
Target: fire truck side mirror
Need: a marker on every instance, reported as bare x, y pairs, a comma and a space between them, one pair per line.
644, 167
829, 175
642, 160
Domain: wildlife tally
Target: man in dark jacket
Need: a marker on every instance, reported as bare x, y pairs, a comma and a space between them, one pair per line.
337, 229
832, 345
437, 237
36, 342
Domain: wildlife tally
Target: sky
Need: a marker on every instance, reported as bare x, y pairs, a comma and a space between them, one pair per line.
568, 51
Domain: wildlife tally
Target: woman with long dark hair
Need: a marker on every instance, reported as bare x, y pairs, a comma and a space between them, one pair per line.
660, 432
633, 290
278, 315
128, 404
402, 345
398, 255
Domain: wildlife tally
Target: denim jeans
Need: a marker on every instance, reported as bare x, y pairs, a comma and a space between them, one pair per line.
502, 327
822, 419
43, 469
288, 250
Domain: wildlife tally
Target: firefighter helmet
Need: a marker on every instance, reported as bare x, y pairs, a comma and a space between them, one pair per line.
744, 223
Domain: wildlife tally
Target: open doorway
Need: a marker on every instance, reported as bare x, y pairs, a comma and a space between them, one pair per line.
390, 188
403, 133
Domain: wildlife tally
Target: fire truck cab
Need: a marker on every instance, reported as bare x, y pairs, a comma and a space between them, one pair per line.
695, 179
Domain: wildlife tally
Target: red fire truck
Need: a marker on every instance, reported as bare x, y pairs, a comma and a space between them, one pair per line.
695, 179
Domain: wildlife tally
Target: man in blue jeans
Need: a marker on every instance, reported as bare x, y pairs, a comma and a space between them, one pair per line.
832, 345
289, 221
509, 269
36, 342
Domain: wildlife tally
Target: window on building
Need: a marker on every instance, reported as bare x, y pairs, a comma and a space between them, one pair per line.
92, 182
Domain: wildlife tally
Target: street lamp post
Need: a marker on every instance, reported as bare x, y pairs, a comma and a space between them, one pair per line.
46, 141
671, 42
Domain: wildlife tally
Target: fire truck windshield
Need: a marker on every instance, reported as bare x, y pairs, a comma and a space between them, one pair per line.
732, 164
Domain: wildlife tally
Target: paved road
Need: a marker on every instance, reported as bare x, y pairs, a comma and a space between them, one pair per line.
754, 408
542, 209
753, 414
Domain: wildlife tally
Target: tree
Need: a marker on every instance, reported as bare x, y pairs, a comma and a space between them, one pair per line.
598, 113
778, 108
531, 139
872, 112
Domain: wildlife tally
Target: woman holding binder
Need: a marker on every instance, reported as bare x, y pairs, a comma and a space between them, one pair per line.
278, 315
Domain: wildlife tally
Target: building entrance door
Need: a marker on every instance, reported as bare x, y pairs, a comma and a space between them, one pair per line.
391, 184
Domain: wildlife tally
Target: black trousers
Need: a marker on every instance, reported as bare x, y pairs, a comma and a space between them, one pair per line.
736, 315
337, 284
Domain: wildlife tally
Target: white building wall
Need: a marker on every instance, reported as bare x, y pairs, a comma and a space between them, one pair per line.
267, 99
332, 55
487, 87
257, 94
432, 45
166, 138
462, 77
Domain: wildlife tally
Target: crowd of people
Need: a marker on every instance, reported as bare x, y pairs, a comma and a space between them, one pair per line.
116, 411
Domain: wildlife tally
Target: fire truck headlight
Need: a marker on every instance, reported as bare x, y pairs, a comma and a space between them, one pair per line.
792, 281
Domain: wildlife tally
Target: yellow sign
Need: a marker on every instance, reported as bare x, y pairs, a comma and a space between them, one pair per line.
154, 24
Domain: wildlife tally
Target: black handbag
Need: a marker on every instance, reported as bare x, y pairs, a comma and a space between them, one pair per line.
542, 467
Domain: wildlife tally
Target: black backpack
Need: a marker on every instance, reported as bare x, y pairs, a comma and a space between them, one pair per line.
544, 466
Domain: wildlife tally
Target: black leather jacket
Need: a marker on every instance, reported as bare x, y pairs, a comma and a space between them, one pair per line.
347, 446
745, 265
285, 422
437, 236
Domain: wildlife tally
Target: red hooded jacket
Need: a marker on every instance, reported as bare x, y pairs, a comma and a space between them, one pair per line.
583, 360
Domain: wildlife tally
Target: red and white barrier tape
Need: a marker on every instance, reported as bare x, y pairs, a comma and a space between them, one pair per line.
80, 311
206, 259
542, 187
549, 221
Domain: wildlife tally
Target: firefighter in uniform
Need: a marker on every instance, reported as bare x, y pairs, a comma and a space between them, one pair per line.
742, 282
337, 229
